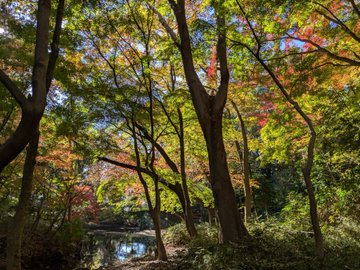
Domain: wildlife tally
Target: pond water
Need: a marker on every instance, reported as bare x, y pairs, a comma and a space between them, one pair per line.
102, 248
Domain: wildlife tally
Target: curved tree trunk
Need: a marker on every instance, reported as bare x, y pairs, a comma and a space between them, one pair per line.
319, 241
16, 228
319, 245
181, 190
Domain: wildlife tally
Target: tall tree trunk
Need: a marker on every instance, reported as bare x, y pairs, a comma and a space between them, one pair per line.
16, 228
32, 108
246, 164
319, 245
28, 129
181, 190
319, 242
247, 187
232, 227
209, 110
189, 220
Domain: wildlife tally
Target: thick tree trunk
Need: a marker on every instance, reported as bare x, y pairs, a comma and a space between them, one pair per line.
16, 228
18, 141
33, 107
232, 227
209, 110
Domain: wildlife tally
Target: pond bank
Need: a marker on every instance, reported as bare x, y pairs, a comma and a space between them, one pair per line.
103, 248
149, 263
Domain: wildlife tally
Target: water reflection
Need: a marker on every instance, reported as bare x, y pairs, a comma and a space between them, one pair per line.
103, 248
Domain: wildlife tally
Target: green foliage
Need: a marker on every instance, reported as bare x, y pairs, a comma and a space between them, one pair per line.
71, 232
176, 235
273, 246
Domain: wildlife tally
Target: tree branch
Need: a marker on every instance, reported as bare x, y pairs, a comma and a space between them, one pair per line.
13, 89
326, 51
41, 55
55, 44
337, 21
356, 9
220, 98
126, 165
164, 23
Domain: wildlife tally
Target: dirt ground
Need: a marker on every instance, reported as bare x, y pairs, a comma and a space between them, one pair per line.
147, 263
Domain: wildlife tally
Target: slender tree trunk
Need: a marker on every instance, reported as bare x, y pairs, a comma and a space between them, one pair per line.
319, 246
319, 242
153, 210
246, 163
247, 187
16, 228
189, 220
160, 247
212, 216
38, 215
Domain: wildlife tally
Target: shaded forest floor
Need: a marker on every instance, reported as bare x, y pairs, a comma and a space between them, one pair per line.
149, 263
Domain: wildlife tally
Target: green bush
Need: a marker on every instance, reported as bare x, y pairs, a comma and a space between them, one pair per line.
176, 235
273, 246
71, 232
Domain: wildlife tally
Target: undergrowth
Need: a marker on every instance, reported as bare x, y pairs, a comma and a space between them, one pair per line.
273, 245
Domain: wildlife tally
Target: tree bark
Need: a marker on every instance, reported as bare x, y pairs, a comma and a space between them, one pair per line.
319, 245
232, 227
160, 247
209, 109
319, 242
246, 164
34, 106
189, 220
184, 197
28, 129
16, 228
154, 210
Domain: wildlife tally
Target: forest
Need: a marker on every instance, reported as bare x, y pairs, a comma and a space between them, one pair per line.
173, 134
